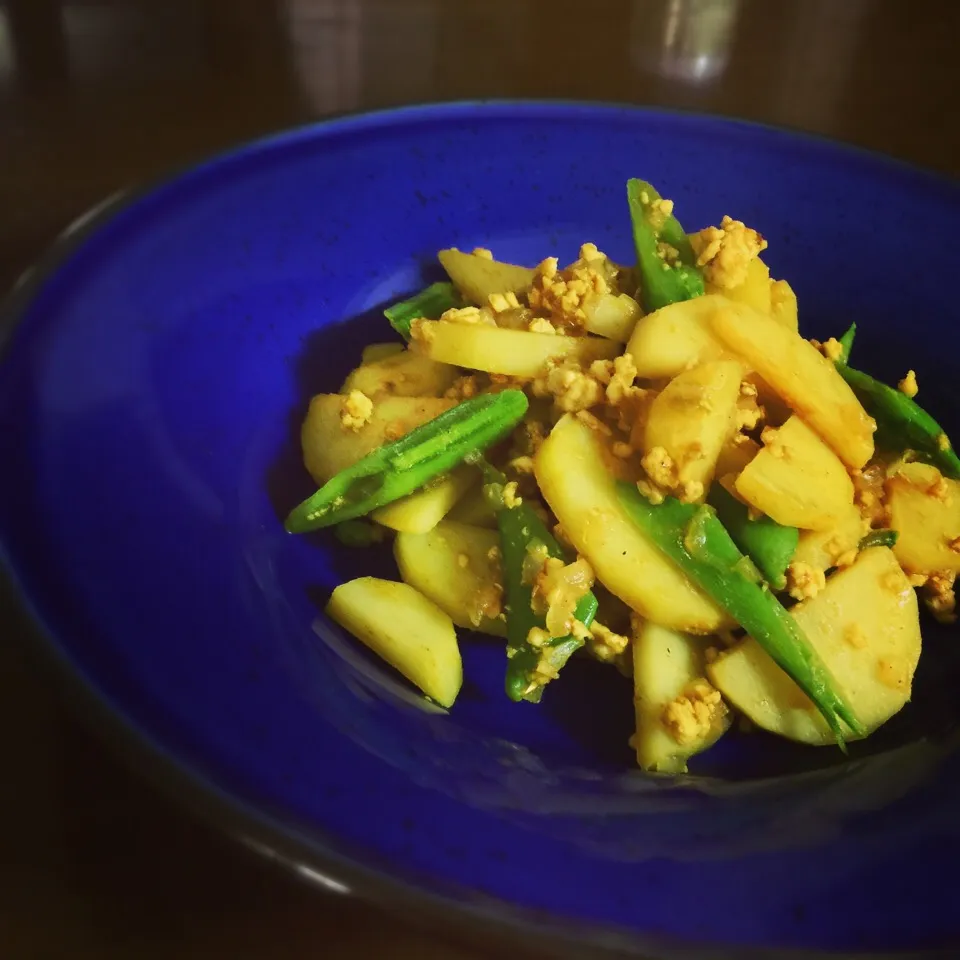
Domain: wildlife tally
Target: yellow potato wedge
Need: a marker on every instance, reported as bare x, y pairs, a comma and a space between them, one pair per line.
755, 290
820, 549
735, 454
517, 353
406, 629
797, 479
477, 277
694, 416
783, 305
458, 568
668, 666
474, 509
866, 629
404, 374
581, 491
420, 512
676, 338
802, 376
374, 352
328, 448
925, 511
613, 316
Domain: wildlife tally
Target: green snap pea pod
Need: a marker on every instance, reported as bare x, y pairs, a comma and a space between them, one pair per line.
519, 528
846, 344
697, 542
661, 281
429, 303
403, 466
769, 544
878, 538
902, 424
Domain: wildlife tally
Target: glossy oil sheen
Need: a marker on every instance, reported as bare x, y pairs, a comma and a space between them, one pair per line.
150, 399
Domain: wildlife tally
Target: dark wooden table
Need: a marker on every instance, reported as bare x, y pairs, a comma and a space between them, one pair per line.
100, 94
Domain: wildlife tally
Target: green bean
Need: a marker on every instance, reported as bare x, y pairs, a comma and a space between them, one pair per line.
661, 281
521, 530
429, 303
693, 537
902, 424
403, 466
769, 544
878, 538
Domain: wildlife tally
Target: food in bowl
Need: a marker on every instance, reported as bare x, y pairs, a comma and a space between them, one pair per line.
648, 464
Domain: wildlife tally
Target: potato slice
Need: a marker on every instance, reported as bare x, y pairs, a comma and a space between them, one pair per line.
582, 493
925, 511
755, 290
676, 338
458, 568
517, 353
735, 454
405, 374
409, 631
694, 416
783, 305
420, 512
797, 479
613, 316
328, 448
866, 629
477, 277
802, 376
474, 509
668, 666
821, 549
375, 352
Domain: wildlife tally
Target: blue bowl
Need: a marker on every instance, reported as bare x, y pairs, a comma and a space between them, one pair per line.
154, 372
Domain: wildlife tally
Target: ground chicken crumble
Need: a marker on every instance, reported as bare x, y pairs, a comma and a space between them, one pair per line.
695, 713
804, 581
560, 296
355, 410
725, 252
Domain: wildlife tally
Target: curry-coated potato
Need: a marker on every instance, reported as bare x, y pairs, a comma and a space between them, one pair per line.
517, 353
755, 289
676, 337
806, 380
581, 491
797, 479
783, 305
422, 510
865, 627
820, 549
406, 629
328, 448
478, 277
612, 316
735, 454
669, 670
925, 511
375, 352
474, 509
457, 567
693, 417
403, 374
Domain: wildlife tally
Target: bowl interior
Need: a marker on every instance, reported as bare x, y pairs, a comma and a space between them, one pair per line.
150, 402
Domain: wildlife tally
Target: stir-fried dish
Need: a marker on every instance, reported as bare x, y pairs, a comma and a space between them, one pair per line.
647, 464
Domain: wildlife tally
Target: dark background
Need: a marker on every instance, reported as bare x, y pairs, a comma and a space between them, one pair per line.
97, 95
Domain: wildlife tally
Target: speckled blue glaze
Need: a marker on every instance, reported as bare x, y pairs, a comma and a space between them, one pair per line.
150, 395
